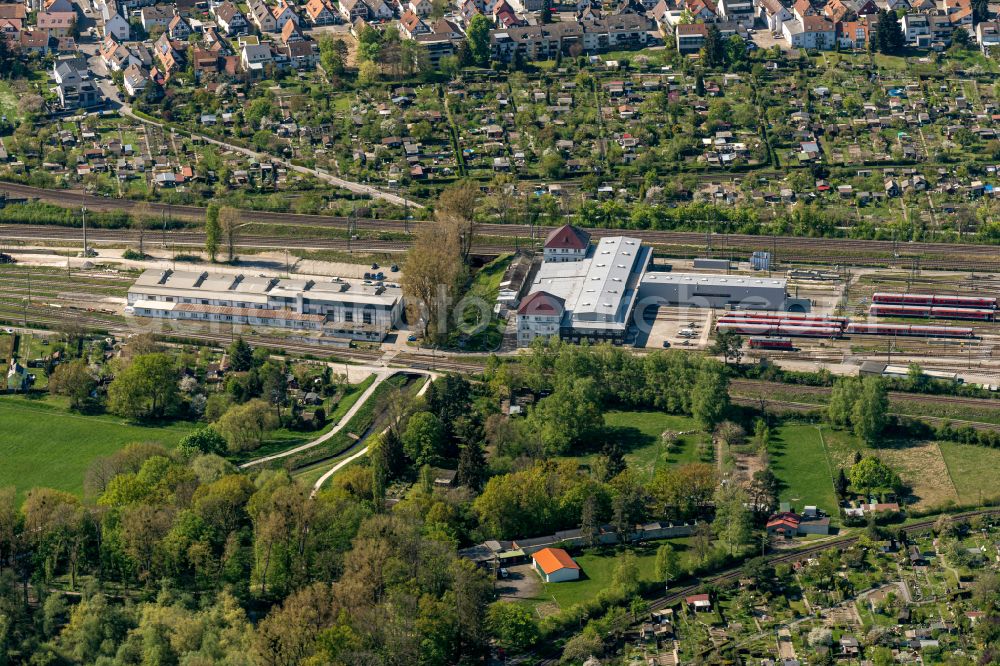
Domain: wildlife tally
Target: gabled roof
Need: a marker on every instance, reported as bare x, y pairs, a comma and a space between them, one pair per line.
568, 236
542, 303
787, 518
551, 560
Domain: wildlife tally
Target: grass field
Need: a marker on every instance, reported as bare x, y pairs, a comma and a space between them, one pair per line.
973, 470
597, 568
639, 433
43, 444
799, 460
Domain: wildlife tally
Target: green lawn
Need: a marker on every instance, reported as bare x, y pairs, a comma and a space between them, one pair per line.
43, 444
639, 434
972, 470
799, 460
597, 568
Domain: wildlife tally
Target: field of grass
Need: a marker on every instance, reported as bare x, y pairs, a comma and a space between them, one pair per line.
639, 434
44, 444
972, 470
597, 568
799, 460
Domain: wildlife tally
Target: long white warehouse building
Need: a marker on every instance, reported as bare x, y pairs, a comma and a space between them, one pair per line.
332, 306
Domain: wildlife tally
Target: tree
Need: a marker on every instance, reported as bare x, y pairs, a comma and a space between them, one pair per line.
202, 440
668, 564
230, 221
625, 576
73, 380
841, 483
472, 469
141, 217
729, 345
960, 38
245, 426
843, 396
888, 37
240, 355
870, 413
732, 522
713, 53
433, 273
368, 73
710, 396
332, 55
477, 36
213, 231
568, 417
872, 475
146, 388
423, 438
455, 211
512, 625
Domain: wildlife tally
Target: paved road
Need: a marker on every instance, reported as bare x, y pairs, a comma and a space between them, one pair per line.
381, 376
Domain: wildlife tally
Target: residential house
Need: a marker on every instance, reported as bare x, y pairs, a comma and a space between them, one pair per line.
134, 79
56, 24
801, 9
422, 8
255, 57
380, 10
441, 41
740, 11
411, 25
988, 35
301, 55
774, 14
34, 42
555, 565
567, 243
59, 6
690, 37
916, 29
68, 68
544, 41
262, 17
839, 10
75, 89
290, 33
179, 29
321, 12
157, 16
168, 57
283, 13
231, 19
853, 35
10, 30
354, 9
702, 10
115, 24
811, 32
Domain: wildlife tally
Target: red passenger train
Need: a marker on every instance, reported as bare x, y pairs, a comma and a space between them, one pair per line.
932, 312
946, 300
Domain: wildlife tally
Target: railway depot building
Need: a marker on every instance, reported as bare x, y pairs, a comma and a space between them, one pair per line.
333, 307
583, 291
733, 292
590, 291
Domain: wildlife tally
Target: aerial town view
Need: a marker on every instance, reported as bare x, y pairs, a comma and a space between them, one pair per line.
534, 332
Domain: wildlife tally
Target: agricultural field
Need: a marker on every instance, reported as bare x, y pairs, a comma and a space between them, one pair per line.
44, 444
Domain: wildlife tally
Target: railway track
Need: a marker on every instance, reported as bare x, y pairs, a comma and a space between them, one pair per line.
733, 575
820, 250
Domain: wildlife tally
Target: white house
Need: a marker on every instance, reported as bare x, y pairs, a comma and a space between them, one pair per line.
134, 80
116, 26
539, 316
740, 11
155, 17
422, 8
988, 35
254, 57
811, 32
230, 19
567, 243
555, 565
774, 14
